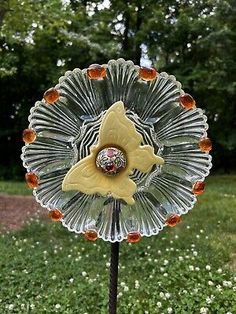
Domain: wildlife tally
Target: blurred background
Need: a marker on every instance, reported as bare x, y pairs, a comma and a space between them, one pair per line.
193, 40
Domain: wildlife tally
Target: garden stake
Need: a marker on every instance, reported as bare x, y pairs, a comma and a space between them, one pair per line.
113, 277
111, 135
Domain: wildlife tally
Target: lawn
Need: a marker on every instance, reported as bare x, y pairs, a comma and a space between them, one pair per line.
187, 269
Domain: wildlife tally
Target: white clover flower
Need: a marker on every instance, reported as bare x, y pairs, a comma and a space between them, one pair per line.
137, 285
122, 284
195, 253
210, 283
119, 294
166, 262
159, 305
169, 310
219, 288
227, 283
58, 306
197, 268
219, 271
181, 258
208, 267
84, 274
203, 310
10, 307
162, 295
210, 299
167, 295
126, 288
191, 267
54, 277
71, 280
32, 306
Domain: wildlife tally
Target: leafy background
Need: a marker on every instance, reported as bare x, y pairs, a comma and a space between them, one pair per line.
194, 40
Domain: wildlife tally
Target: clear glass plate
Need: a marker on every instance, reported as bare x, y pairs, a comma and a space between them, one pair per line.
67, 129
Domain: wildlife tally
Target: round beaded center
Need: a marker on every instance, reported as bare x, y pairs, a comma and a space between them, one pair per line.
111, 161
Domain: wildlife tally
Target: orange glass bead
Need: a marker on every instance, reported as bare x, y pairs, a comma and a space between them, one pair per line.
187, 101
96, 71
198, 187
172, 220
51, 95
29, 136
91, 235
31, 180
205, 145
133, 237
147, 74
55, 215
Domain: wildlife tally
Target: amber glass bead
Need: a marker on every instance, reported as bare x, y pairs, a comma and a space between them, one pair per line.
96, 71
172, 220
205, 145
29, 136
198, 188
55, 215
133, 237
31, 180
51, 95
147, 74
91, 235
187, 101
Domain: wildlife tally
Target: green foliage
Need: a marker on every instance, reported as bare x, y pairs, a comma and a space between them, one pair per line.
189, 268
194, 40
14, 188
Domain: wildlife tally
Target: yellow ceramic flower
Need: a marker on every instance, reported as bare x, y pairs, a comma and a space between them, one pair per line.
116, 131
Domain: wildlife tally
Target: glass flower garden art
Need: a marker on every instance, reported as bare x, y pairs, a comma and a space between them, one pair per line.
116, 152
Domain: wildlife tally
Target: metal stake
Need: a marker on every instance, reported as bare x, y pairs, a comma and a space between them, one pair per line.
113, 277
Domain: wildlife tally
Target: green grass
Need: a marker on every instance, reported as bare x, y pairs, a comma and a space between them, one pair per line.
189, 268
14, 188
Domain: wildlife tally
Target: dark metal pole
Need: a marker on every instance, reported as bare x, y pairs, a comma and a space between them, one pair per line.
113, 277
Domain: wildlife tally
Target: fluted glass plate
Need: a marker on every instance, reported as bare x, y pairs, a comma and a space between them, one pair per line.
67, 129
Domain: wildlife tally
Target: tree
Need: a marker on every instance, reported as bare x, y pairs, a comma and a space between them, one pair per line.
40, 40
